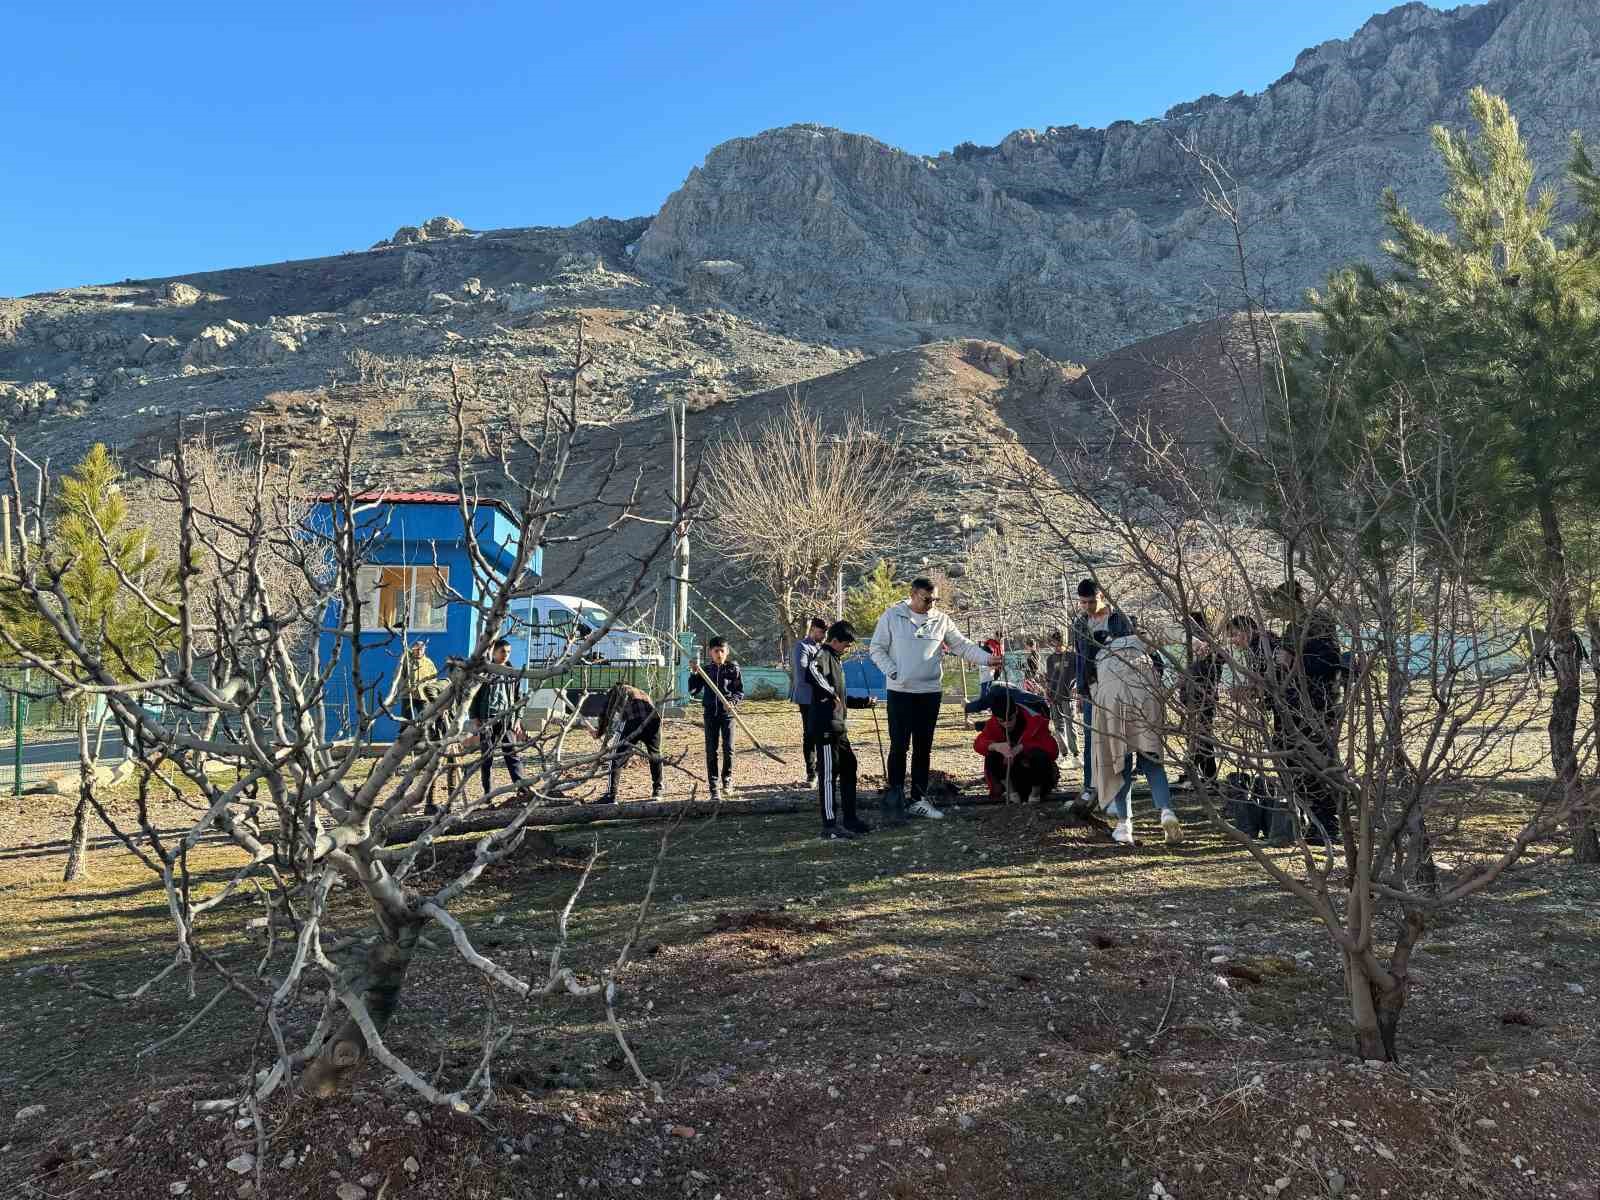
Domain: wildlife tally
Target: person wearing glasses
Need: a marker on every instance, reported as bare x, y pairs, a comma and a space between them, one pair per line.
908, 646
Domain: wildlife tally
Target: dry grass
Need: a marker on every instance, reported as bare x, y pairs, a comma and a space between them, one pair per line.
1002, 1004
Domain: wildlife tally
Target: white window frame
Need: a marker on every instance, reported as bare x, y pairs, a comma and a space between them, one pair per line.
368, 586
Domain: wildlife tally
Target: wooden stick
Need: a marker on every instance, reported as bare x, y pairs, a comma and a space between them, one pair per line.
772, 754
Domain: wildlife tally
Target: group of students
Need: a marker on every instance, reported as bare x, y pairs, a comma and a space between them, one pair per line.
1102, 678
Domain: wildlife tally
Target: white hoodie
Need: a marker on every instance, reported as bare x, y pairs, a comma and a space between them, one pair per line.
907, 647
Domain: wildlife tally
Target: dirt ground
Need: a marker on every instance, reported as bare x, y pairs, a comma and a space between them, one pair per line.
1004, 1003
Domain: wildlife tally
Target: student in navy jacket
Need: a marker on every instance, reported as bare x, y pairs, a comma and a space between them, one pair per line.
724, 673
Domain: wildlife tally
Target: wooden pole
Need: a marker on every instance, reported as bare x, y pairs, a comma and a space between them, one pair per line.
772, 754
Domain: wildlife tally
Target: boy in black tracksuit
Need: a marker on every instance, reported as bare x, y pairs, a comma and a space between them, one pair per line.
724, 673
836, 766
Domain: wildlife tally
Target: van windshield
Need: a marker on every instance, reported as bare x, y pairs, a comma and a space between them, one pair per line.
593, 617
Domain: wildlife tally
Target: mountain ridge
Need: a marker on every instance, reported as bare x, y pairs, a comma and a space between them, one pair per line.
1074, 240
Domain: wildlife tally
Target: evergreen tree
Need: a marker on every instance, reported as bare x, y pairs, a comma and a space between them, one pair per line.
90, 538
867, 601
1483, 339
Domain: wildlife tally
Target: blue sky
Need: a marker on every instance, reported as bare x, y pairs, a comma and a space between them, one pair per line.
156, 139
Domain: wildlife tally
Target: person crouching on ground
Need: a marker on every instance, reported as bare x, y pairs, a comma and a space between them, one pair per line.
1127, 734
836, 760
632, 716
1019, 754
723, 674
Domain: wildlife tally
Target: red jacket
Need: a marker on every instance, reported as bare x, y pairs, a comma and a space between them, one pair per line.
1035, 735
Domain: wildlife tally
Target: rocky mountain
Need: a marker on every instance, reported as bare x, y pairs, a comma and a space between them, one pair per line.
1078, 241
369, 333
942, 294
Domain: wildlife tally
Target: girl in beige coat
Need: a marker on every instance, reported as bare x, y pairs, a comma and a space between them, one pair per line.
1127, 735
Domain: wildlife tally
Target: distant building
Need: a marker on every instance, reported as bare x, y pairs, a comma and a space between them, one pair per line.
419, 585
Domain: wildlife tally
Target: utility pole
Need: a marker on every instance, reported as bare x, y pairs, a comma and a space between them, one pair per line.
670, 648
678, 570
18, 704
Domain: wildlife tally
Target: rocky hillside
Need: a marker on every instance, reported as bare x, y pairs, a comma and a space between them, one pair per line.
1078, 241
349, 336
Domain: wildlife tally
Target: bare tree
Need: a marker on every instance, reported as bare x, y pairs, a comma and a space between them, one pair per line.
1393, 796
307, 815
226, 483
795, 504
1392, 771
1411, 757
1011, 585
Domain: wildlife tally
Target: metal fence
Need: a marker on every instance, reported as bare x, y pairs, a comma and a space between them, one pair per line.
39, 737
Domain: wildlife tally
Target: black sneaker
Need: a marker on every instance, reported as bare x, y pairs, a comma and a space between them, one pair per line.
891, 806
857, 827
811, 780
837, 833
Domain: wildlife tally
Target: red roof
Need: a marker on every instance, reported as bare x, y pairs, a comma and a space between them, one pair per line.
385, 496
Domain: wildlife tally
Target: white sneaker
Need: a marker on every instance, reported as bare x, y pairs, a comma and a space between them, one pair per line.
923, 809
1012, 795
1171, 827
1123, 832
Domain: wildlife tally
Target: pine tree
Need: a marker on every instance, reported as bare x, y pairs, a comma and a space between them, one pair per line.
89, 549
1490, 332
867, 601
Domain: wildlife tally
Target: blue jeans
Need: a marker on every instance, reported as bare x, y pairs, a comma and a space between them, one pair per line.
1160, 790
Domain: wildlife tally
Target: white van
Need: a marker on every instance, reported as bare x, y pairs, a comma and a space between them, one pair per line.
552, 623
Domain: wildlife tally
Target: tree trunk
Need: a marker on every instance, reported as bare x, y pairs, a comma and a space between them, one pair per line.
1374, 1011
786, 619
78, 843
1564, 707
1585, 839
1422, 872
379, 983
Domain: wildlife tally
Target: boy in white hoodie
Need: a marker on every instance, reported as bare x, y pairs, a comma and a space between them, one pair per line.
908, 646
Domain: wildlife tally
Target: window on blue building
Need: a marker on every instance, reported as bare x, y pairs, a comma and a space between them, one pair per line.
413, 598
